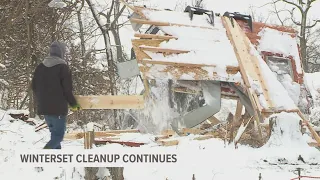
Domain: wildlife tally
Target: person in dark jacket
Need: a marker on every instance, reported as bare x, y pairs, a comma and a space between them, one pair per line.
52, 87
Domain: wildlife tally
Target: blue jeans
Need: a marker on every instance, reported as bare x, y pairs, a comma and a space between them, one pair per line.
57, 128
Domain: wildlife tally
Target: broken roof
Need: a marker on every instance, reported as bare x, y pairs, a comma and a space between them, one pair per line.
194, 49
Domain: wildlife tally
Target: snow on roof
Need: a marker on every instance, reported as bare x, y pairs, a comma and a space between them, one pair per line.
207, 44
280, 42
210, 45
277, 93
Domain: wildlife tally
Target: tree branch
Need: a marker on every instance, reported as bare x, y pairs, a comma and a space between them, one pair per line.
118, 15
291, 13
314, 24
296, 5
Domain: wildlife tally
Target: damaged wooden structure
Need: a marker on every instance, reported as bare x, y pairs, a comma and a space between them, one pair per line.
218, 56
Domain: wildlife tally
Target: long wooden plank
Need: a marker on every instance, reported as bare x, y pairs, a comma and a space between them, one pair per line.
154, 36
229, 69
163, 50
110, 133
133, 8
154, 71
312, 131
111, 102
158, 23
136, 43
255, 63
151, 61
237, 114
243, 58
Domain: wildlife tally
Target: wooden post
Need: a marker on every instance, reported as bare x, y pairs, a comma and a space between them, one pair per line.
245, 64
90, 172
88, 139
236, 118
312, 131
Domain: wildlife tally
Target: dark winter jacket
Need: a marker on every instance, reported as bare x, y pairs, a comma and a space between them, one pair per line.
52, 83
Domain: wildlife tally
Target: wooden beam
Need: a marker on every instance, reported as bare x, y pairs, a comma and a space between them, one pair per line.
314, 144
110, 133
134, 9
168, 132
243, 57
168, 142
154, 71
126, 143
187, 131
312, 131
241, 130
159, 23
136, 43
111, 102
204, 137
237, 114
162, 50
154, 36
163, 62
88, 139
229, 69
256, 66
279, 111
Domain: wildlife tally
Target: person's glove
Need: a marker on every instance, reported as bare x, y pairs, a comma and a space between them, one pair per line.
75, 107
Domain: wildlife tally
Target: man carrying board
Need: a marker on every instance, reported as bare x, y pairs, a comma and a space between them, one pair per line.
52, 87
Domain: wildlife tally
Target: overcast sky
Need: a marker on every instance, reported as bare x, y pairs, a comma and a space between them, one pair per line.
242, 6
218, 6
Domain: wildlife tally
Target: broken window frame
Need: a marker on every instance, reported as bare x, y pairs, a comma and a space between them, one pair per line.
277, 58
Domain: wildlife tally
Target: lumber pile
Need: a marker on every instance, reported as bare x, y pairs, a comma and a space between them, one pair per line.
21, 115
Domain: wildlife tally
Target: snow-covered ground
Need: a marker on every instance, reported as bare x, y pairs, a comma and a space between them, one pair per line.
207, 159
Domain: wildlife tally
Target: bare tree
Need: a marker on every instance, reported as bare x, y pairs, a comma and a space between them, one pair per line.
303, 8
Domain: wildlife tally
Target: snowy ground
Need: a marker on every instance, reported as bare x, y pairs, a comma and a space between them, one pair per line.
207, 159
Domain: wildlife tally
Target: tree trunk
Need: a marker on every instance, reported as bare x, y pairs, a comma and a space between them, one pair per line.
107, 44
29, 59
83, 46
303, 41
116, 173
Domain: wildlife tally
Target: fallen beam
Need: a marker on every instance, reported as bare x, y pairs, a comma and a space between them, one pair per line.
154, 36
244, 60
313, 144
111, 133
126, 143
162, 50
168, 142
312, 131
111, 102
